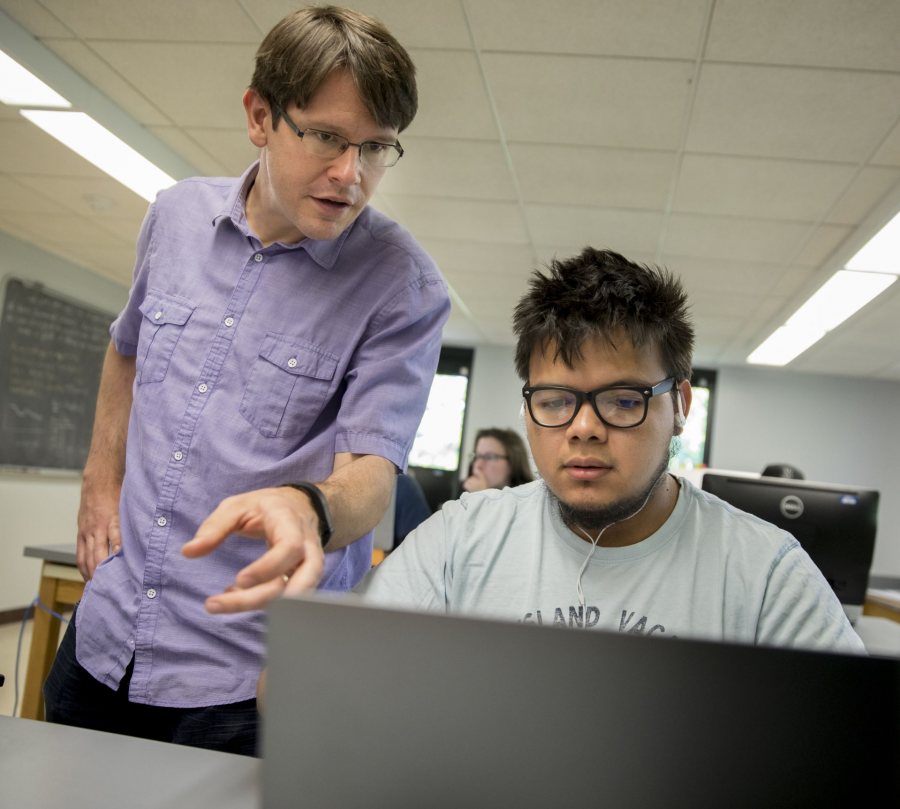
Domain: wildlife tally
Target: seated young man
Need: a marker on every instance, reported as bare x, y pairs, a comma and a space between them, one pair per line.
607, 538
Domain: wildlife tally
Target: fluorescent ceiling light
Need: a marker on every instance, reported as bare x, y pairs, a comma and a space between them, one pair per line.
839, 297
84, 135
882, 252
20, 88
783, 345
843, 294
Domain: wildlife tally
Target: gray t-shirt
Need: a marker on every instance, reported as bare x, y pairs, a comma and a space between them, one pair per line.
710, 571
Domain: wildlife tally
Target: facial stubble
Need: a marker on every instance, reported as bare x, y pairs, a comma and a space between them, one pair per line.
595, 519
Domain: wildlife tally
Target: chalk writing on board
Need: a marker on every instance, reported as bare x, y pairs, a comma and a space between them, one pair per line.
51, 354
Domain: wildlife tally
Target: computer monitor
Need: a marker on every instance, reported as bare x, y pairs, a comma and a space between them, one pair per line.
835, 524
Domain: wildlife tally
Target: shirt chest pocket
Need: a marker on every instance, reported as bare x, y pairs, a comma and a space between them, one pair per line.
288, 386
164, 321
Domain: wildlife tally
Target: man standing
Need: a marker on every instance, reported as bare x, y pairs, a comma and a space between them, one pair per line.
608, 538
275, 355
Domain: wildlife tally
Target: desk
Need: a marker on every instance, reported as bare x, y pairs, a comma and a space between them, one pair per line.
45, 765
883, 597
60, 588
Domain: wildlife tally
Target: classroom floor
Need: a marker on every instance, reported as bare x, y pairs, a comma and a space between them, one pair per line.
9, 646
9, 642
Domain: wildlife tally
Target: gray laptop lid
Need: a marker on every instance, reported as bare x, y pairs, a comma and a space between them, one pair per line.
375, 708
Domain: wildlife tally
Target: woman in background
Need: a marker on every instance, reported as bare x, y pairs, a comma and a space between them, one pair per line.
500, 459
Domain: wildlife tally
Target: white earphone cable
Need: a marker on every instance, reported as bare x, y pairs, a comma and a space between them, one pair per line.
594, 541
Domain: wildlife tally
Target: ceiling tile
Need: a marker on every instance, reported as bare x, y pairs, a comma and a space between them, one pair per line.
172, 20
17, 196
68, 230
415, 23
762, 189
482, 257
625, 103
476, 287
622, 231
596, 27
35, 18
756, 327
476, 220
196, 84
25, 149
734, 238
99, 197
793, 141
792, 281
888, 153
824, 33
547, 253
792, 112
194, 145
450, 168
453, 101
107, 80
732, 306
869, 187
724, 275
584, 175
820, 244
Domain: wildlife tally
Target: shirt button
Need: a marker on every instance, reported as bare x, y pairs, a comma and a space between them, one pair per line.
151, 593
292, 362
161, 521
157, 316
178, 455
258, 257
229, 321
203, 387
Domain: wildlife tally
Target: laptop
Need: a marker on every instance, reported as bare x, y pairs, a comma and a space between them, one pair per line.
378, 708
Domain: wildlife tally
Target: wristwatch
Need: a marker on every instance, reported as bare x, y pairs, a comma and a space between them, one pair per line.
320, 504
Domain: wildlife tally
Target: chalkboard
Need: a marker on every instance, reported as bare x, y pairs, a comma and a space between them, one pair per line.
51, 355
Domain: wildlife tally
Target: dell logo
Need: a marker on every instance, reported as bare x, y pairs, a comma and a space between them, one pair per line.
791, 507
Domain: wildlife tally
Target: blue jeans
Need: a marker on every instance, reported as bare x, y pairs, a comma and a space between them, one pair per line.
74, 697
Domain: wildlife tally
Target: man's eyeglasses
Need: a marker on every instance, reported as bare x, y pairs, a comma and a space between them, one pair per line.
616, 406
329, 146
487, 456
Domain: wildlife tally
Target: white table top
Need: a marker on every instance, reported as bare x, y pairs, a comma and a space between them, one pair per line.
44, 765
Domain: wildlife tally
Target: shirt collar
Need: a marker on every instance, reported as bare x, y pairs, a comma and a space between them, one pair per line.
325, 252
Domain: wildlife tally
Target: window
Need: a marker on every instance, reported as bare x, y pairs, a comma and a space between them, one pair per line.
439, 437
436, 454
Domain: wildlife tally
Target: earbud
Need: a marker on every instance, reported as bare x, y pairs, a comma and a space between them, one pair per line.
679, 416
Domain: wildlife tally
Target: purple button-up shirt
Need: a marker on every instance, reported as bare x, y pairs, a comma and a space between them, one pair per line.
255, 365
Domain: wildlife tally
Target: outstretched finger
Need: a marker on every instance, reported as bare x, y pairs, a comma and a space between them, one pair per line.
307, 576
229, 517
282, 558
253, 598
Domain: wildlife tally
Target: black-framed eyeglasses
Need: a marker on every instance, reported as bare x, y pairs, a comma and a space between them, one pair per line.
330, 146
616, 406
487, 456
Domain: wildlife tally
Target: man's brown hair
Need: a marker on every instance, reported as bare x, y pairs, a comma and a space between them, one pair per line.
310, 44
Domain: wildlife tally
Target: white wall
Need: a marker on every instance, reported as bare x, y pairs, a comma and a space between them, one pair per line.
495, 395
39, 509
834, 429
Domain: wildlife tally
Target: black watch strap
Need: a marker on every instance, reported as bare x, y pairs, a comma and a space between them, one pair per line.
320, 504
